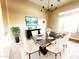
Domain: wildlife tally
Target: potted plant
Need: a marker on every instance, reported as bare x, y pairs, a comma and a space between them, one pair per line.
16, 33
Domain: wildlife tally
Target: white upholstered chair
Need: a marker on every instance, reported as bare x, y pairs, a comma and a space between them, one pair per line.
59, 46
55, 49
63, 41
31, 48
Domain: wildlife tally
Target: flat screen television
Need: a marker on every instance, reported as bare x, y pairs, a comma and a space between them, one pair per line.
31, 21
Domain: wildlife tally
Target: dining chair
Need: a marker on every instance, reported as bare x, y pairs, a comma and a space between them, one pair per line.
31, 47
34, 35
65, 41
55, 49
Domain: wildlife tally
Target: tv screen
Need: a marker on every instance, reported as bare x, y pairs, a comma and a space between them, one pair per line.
31, 21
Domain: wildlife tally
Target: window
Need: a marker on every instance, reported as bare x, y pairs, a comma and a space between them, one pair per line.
69, 21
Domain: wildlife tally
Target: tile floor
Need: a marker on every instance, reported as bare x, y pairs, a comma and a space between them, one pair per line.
71, 52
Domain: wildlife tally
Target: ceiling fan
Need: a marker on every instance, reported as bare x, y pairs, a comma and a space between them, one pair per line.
49, 7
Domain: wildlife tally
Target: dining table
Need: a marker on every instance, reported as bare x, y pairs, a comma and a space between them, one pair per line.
43, 42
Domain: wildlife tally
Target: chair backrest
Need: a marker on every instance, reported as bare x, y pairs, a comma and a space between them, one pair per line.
31, 46
65, 39
52, 34
34, 33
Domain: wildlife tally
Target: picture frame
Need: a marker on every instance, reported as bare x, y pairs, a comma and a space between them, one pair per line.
31, 21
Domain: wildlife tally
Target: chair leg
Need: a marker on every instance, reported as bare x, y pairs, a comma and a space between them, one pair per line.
63, 48
39, 53
60, 54
66, 45
55, 42
55, 56
29, 56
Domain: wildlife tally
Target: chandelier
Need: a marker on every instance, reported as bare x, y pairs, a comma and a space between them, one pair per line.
49, 7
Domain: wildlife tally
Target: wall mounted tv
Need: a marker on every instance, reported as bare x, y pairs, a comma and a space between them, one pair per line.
31, 21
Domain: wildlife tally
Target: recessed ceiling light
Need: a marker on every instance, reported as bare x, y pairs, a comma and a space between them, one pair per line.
58, 0
40, 0
51, 4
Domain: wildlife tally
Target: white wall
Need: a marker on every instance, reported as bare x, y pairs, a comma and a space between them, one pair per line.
2, 37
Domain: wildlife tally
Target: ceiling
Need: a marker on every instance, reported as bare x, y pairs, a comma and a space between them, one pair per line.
55, 3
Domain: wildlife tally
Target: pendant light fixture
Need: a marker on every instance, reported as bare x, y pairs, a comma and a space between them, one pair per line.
50, 7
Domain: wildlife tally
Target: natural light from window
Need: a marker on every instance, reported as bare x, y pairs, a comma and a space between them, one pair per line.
69, 21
